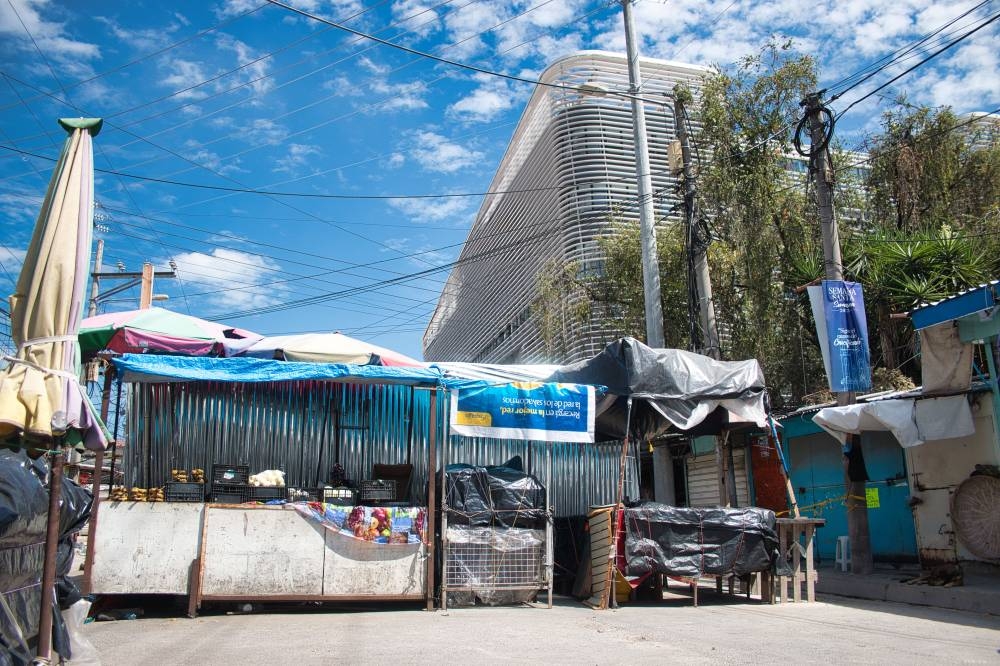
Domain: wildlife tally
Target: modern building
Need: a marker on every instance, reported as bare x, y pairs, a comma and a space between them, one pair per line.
569, 170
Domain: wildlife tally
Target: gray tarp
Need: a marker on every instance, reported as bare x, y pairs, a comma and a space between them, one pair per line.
672, 390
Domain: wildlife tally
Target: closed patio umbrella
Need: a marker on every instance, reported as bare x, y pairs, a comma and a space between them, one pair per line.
41, 380
40, 393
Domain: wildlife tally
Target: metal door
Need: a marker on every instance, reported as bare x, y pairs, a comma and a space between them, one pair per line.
817, 473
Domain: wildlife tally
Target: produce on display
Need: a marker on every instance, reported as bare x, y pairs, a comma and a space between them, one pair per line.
269, 478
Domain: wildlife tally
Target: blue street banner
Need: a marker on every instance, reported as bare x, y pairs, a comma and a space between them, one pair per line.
525, 410
846, 336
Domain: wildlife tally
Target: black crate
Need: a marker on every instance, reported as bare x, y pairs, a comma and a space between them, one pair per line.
268, 493
230, 493
175, 491
230, 474
377, 490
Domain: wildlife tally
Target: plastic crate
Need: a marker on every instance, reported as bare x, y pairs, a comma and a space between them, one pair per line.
303, 494
230, 493
377, 490
176, 491
341, 496
268, 493
230, 474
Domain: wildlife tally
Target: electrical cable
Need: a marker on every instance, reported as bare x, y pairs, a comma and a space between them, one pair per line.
445, 61
933, 55
153, 54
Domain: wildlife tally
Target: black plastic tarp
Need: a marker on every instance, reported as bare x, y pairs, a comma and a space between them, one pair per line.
672, 390
24, 507
692, 542
497, 496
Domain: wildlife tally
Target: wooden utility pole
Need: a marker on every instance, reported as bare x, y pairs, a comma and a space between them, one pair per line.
820, 134
146, 290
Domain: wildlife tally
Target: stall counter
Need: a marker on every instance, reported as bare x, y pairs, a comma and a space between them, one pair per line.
248, 552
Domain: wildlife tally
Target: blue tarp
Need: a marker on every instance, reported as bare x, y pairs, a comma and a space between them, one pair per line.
154, 368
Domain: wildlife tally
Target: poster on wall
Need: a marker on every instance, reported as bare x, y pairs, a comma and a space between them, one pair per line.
842, 327
525, 410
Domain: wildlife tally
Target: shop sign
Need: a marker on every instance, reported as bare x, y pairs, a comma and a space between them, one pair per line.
525, 410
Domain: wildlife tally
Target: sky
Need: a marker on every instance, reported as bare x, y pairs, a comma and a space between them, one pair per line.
234, 100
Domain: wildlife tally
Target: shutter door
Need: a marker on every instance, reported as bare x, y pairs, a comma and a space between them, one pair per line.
703, 480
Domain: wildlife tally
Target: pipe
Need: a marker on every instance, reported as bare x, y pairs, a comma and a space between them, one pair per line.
51, 550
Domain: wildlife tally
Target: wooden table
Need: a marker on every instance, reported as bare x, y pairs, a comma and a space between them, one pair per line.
793, 533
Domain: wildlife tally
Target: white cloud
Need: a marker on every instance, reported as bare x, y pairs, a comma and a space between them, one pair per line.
253, 70
433, 210
181, 75
264, 131
146, 39
492, 98
435, 152
419, 17
297, 157
52, 36
229, 273
396, 160
404, 96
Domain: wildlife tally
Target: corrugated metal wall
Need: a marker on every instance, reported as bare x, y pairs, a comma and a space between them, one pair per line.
703, 479
303, 428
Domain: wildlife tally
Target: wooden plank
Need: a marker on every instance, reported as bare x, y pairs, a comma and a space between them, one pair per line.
315, 597
145, 548
782, 592
810, 572
796, 565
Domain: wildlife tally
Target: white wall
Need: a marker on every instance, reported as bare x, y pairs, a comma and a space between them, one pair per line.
936, 469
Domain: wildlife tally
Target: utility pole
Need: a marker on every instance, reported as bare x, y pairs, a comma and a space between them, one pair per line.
647, 223
820, 134
704, 335
146, 290
708, 342
95, 280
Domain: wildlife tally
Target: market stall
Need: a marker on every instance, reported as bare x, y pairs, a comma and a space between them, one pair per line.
231, 536
373, 538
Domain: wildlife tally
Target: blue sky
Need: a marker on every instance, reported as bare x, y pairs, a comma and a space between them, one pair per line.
242, 94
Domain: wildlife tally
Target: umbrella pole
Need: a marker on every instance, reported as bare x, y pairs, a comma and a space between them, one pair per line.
56, 461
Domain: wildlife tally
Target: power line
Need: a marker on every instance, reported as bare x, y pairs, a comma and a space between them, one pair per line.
147, 56
933, 55
445, 61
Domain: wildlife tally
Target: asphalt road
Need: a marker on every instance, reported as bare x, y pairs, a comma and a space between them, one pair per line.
729, 631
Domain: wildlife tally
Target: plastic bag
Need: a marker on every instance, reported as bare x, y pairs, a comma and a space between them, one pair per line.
82, 651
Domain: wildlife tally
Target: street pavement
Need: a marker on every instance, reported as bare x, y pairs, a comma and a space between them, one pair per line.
721, 630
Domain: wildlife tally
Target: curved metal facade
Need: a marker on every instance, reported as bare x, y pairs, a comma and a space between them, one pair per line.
569, 167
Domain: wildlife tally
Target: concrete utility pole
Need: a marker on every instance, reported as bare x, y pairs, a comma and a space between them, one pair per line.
698, 244
95, 280
819, 165
143, 279
647, 222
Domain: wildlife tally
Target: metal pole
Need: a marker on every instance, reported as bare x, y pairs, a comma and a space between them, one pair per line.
48, 592
95, 279
445, 442
550, 511
431, 497
819, 160
647, 222
698, 243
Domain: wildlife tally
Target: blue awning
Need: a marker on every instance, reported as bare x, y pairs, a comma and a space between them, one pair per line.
155, 368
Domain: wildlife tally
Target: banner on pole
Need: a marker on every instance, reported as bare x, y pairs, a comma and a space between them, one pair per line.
843, 335
525, 410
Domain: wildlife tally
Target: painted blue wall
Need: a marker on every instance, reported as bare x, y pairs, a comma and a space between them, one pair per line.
817, 474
